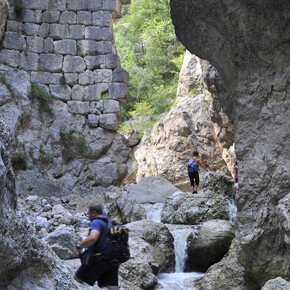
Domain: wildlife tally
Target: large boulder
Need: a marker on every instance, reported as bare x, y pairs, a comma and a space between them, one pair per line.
186, 208
211, 244
226, 274
151, 189
117, 206
276, 284
153, 243
62, 242
137, 274
219, 183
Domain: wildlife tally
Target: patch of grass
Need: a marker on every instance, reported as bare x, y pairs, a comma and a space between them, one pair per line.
43, 96
72, 143
19, 161
105, 96
40, 92
44, 157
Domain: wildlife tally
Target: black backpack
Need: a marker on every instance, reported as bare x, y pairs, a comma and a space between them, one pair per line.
117, 250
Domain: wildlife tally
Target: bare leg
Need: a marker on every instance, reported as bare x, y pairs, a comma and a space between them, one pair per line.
78, 279
113, 287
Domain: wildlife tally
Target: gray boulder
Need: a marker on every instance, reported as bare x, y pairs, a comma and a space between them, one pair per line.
152, 242
137, 274
151, 247
276, 284
119, 207
210, 245
186, 208
61, 215
152, 189
42, 222
219, 183
226, 274
62, 242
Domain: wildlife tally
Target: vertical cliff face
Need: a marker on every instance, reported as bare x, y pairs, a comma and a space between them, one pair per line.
248, 42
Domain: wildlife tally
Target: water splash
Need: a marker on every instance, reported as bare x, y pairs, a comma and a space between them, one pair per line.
232, 210
180, 245
153, 211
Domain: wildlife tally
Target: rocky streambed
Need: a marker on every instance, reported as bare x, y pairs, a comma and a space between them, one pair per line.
195, 226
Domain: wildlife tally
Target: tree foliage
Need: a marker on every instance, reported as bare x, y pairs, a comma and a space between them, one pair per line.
150, 52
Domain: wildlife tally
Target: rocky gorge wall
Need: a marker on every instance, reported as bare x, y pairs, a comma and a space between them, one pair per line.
195, 122
248, 43
60, 93
61, 90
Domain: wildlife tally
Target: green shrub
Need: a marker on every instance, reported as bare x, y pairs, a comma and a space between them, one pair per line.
44, 157
43, 96
72, 143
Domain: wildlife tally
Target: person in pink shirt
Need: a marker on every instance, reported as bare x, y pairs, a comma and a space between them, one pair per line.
235, 169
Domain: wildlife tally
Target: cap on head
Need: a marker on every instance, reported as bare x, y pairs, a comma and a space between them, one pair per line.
195, 153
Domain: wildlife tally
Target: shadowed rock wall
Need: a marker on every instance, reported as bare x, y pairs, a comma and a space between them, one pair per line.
249, 44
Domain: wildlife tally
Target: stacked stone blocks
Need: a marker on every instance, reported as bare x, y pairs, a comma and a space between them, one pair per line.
68, 46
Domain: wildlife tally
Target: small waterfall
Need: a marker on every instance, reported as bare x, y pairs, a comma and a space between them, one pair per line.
233, 210
177, 280
180, 237
153, 211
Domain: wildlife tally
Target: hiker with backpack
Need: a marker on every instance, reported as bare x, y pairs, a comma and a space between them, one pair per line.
106, 247
193, 168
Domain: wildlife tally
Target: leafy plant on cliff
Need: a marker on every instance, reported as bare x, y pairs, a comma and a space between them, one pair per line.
43, 156
151, 53
43, 96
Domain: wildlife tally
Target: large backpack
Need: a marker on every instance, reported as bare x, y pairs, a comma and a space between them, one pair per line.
117, 249
192, 165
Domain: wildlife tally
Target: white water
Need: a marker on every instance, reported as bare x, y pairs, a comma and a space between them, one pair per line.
179, 280
180, 237
233, 210
153, 211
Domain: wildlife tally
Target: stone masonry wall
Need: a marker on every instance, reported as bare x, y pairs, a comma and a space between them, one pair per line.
68, 46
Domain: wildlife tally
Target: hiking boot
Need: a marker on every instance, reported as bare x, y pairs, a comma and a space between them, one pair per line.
194, 192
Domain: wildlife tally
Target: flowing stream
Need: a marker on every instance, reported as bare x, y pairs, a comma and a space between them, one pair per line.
177, 280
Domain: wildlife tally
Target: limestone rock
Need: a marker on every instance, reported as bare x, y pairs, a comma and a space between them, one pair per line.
219, 183
276, 284
137, 274
196, 122
151, 190
255, 99
61, 215
226, 274
153, 243
189, 209
211, 244
62, 242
